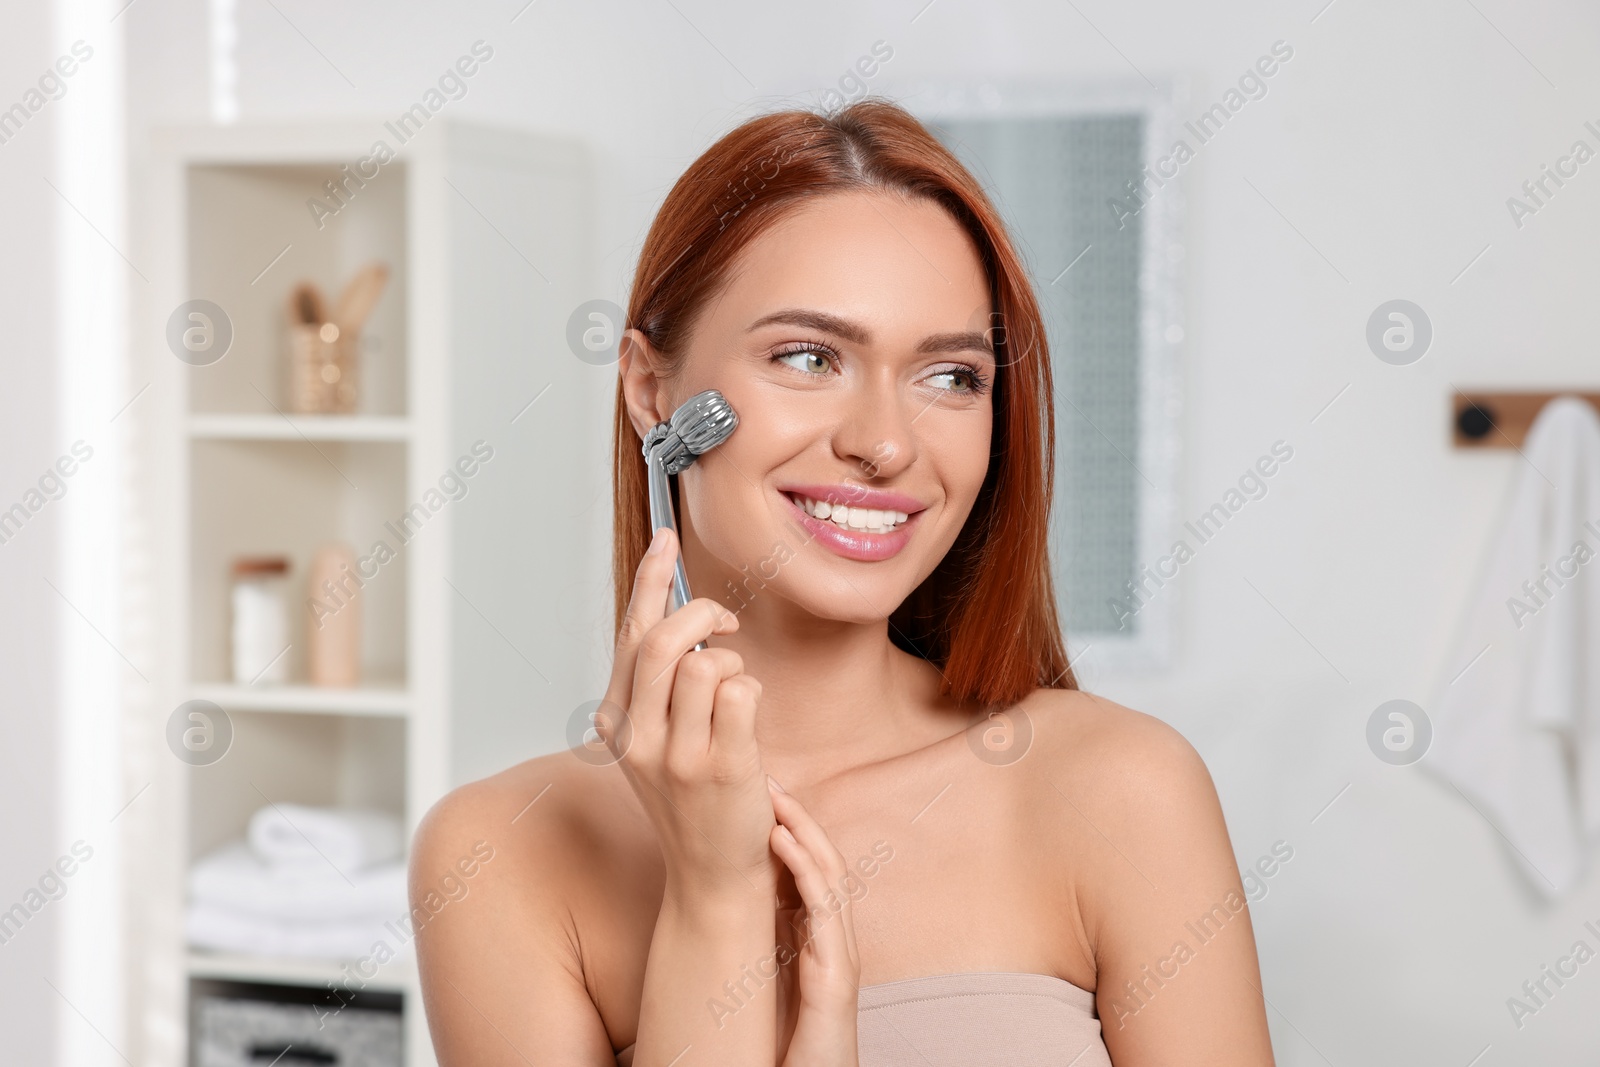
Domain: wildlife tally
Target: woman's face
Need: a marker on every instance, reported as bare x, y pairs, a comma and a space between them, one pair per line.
852, 343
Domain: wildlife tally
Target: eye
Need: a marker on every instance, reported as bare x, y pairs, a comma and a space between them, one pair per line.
963, 379
807, 358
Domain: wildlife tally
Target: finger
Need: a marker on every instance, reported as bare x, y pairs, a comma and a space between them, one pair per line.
827, 918
647, 604
694, 689
811, 836
733, 717
664, 645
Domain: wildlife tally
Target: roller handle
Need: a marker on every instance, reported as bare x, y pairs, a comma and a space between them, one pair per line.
661, 518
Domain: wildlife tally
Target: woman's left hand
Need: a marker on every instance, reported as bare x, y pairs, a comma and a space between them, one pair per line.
821, 1027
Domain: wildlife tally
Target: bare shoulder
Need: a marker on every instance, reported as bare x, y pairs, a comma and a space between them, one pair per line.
1114, 751
475, 842
541, 817
1156, 883
501, 872
1139, 804
489, 811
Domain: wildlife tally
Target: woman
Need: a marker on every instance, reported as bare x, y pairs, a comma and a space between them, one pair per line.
875, 817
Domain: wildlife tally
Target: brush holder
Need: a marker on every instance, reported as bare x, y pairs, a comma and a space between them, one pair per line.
322, 369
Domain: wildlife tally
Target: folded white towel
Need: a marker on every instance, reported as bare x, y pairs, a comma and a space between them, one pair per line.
348, 838
234, 877
1518, 731
220, 929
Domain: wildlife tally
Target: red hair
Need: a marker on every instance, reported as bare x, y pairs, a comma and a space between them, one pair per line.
986, 615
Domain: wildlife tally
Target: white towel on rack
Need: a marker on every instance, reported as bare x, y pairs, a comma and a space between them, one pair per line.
220, 929
1518, 731
348, 838
235, 878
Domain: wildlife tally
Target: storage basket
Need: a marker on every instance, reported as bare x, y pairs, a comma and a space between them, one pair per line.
234, 1030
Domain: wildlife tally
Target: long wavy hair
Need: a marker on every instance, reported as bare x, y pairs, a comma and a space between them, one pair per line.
986, 615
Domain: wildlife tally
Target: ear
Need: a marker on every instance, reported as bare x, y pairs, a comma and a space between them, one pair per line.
642, 388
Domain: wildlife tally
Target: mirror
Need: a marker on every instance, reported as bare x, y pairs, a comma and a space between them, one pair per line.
1102, 237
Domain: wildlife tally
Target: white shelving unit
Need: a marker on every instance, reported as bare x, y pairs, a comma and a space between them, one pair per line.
299, 427
474, 648
309, 973
366, 700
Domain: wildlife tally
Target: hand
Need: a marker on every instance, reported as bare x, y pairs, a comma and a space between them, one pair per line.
686, 739
827, 968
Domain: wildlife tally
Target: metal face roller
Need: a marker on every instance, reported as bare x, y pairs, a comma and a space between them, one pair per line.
700, 424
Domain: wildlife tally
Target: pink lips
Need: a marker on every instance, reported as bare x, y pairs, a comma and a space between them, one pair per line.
857, 496
847, 542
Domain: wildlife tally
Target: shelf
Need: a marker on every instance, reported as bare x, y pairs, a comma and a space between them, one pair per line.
397, 976
460, 217
300, 427
290, 497
251, 241
304, 699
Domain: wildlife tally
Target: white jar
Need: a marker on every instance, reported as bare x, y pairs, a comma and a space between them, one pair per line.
260, 621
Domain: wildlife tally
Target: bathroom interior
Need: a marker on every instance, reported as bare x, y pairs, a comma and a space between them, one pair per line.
305, 484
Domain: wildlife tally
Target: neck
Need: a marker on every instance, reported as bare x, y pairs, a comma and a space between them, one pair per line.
835, 695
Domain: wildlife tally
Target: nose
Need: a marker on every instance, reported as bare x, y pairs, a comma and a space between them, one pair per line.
877, 435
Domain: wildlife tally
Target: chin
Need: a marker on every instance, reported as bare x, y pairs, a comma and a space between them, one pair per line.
781, 566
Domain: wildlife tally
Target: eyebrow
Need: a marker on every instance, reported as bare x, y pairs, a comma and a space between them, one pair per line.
822, 321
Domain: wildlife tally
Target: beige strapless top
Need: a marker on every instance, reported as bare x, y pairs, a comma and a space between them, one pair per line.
977, 1019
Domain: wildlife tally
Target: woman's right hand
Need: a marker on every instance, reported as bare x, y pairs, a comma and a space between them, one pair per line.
682, 722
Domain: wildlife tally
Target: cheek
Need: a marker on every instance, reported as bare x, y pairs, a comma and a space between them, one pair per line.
960, 450
723, 507
735, 516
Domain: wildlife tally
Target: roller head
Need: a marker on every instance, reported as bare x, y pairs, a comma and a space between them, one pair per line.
700, 424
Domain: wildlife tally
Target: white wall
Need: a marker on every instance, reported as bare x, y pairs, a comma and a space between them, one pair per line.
1389, 145
63, 652
28, 638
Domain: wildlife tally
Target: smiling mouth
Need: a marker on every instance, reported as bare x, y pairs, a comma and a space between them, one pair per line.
854, 519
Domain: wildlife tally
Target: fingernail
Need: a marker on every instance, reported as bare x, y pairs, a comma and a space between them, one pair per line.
773, 782
659, 539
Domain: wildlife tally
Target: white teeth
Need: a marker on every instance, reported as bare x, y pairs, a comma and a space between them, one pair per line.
867, 520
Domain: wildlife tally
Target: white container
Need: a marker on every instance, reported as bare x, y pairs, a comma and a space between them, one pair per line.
260, 621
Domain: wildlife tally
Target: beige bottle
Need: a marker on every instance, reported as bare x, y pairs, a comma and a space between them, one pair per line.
333, 617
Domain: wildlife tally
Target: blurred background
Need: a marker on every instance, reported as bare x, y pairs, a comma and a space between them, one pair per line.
304, 489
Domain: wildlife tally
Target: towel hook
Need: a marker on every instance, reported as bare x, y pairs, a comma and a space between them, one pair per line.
1475, 421
1491, 418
